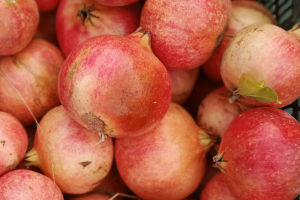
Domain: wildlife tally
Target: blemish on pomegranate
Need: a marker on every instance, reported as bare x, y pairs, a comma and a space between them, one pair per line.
3, 142
85, 163
11, 1
94, 122
72, 70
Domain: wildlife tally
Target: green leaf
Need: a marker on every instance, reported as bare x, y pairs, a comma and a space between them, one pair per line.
256, 90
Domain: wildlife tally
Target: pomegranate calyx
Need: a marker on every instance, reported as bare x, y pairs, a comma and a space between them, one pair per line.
248, 87
86, 14
295, 30
143, 37
32, 158
219, 162
206, 140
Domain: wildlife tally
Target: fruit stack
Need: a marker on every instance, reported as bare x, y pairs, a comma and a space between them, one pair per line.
148, 99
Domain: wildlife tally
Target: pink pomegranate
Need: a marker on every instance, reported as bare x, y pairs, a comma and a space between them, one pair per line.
167, 163
13, 142
185, 33
115, 85
19, 21
217, 189
243, 14
115, 2
69, 152
262, 65
216, 112
28, 185
79, 20
183, 82
47, 5
263, 160
30, 76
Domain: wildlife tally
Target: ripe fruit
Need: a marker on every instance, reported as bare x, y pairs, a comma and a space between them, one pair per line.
243, 14
32, 74
13, 142
19, 21
69, 152
79, 20
216, 112
262, 62
185, 33
28, 185
259, 155
167, 163
114, 85
183, 82
217, 189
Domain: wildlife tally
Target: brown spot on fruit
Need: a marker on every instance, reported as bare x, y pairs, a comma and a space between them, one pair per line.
3, 142
85, 163
94, 122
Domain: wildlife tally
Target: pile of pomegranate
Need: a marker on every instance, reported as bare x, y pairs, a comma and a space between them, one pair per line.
147, 99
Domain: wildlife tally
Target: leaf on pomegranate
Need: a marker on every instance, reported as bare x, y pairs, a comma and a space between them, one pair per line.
256, 90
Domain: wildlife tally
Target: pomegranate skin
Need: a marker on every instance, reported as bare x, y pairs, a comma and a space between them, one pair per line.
262, 161
47, 5
116, 86
13, 142
264, 52
216, 112
34, 73
217, 189
19, 21
28, 185
243, 14
167, 163
184, 34
73, 25
70, 152
115, 2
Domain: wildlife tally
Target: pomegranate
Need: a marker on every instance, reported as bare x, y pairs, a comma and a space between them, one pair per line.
30, 78
167, 163
46, 28
185, 33
64, 149
19, 21
28, 185
217, 189
13, 142
90, 196
262, 65
115, 2
243, 14
216, 112
115, 85
183, 82
79, 20
262, 161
